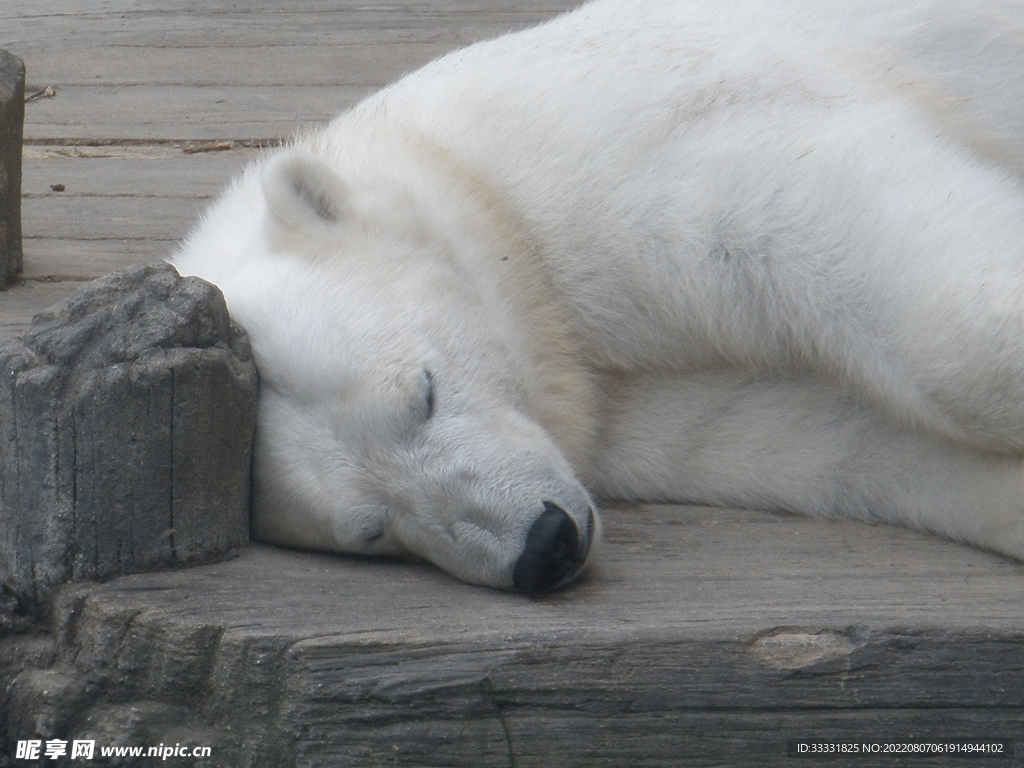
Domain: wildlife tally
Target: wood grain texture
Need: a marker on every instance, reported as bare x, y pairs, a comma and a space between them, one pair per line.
705, 637
223, 72
116, 206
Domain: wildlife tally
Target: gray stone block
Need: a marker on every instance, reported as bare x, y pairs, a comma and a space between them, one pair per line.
12, 119
126, 422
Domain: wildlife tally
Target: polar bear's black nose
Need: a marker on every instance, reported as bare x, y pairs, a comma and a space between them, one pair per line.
553, 552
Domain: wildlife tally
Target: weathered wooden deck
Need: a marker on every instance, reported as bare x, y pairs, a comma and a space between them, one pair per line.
705, 637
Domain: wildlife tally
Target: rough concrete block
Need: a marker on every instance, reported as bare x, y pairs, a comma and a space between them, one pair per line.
126, 423
12, 119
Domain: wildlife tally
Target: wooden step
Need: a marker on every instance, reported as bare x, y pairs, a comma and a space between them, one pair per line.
704, 637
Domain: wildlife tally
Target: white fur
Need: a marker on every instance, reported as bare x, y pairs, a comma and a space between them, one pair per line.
731, 252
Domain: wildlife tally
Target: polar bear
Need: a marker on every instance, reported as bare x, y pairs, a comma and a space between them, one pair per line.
760, 253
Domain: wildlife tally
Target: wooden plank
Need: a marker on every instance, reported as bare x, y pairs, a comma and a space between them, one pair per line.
195, 72
665, 571
48, 259
110, 217
161, 113
339, 46
366, 64
142, 171
41, 9
706, 637
258, 30
255, 28
119, 205
120, 20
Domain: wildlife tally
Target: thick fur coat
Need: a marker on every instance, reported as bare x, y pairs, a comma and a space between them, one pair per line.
732, 252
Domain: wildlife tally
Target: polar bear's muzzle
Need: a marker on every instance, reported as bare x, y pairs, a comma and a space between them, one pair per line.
555, 551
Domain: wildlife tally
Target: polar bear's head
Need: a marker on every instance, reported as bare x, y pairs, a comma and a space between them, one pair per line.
404, 408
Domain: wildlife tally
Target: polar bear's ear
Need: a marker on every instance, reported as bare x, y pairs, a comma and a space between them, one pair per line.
303, 192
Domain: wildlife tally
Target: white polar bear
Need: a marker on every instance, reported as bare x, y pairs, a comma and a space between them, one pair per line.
730, 252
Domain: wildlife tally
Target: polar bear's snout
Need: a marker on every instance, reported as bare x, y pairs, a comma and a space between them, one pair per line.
555, 550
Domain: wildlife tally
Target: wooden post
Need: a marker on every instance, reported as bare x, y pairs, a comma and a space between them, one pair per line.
126, 426
12, 119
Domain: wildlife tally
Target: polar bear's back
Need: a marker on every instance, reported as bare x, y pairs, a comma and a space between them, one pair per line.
636, 139
584, 68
